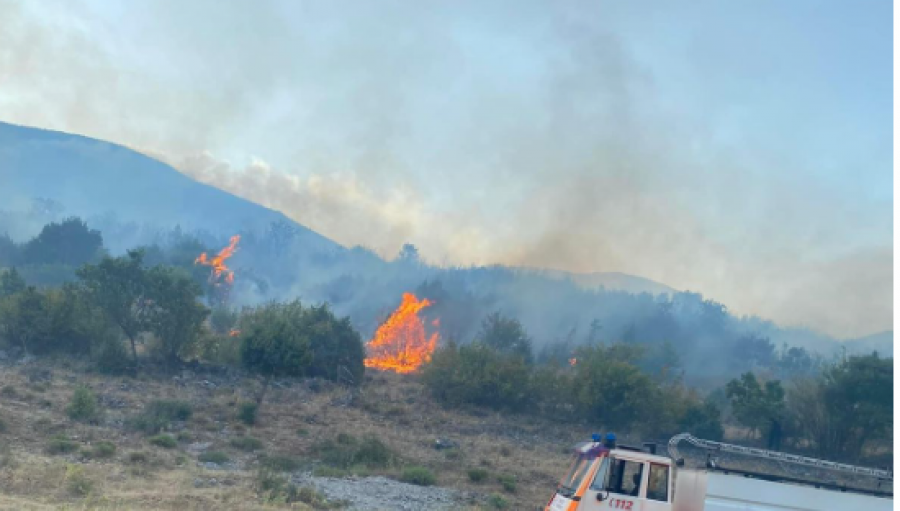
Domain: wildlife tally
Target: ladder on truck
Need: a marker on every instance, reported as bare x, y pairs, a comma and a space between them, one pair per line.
773, 455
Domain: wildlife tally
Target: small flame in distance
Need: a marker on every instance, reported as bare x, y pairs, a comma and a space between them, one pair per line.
219, 269
400, 343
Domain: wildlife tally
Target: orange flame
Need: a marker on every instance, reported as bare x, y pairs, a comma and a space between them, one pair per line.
234, 332
218, 262
400, 344
573, 361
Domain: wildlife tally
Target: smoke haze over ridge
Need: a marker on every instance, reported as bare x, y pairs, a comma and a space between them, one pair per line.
745, 155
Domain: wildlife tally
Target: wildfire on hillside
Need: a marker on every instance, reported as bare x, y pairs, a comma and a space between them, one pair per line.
573, 361
219, 270
400, 344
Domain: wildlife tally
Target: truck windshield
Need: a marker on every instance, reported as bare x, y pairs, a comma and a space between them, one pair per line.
573, 479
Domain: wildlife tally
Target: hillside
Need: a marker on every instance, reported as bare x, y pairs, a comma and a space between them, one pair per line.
135, 200
107, 182
612, 280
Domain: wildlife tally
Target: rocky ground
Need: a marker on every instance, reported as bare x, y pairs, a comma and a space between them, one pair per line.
379, 493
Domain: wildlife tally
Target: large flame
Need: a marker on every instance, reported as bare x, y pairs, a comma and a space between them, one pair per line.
400, 344
219, 269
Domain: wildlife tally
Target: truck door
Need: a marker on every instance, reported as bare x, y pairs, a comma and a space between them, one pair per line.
620, 484
658, 488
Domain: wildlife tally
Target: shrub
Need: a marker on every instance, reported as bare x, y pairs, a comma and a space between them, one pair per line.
158, 415
481, 375
281, 463
246, 443
4, 427
77, 482
310, 496
83, 406
270, 483
247, 413
110, 356
372, 452
508, 482
273, 341
345, 451
285, 339
138, 457
478, 475
338, 452
611, 389
59, 444
9, 391
164, 441
418, 475
217, 457
497, 502
102, 449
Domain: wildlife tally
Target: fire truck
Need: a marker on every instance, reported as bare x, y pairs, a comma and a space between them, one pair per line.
605, 476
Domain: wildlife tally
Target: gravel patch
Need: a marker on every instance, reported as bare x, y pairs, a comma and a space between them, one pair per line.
382, 494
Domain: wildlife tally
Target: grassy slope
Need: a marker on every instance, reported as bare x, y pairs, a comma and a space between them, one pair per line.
296, 416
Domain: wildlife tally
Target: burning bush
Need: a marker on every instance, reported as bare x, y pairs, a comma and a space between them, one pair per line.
400, 343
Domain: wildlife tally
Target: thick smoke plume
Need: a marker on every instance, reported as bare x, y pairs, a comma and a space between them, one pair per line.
520, 133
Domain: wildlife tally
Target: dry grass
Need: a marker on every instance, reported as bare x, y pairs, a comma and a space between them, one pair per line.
294, 418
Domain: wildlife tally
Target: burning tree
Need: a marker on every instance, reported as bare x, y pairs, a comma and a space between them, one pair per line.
400, 343
220, 278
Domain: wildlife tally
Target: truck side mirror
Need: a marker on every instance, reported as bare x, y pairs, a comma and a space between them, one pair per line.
601, 497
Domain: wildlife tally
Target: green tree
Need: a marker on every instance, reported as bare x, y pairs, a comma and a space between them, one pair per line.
23, 318
9, 251
175, 316
337, 349
74, 323
756, 406
850, 404
69, 242
610, 388
505, 335
274, 342
703, 420
118, 285
11, 282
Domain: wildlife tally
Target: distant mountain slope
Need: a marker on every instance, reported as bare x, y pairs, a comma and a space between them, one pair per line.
611, 280
882, 342
95, 178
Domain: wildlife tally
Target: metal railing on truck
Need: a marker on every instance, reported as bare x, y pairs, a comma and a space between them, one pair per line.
781, 457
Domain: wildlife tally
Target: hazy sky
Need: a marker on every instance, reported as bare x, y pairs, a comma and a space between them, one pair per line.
739, 148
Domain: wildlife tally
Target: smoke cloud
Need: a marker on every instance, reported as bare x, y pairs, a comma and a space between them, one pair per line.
582, 136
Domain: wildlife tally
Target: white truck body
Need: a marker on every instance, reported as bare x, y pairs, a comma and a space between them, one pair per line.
603, 477
697, 490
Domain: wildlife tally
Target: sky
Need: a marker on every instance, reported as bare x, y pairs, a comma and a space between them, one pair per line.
741, 149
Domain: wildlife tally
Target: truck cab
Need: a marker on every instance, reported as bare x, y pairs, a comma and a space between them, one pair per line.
604, 476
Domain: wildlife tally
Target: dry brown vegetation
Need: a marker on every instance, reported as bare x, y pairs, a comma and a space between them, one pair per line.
296, 417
